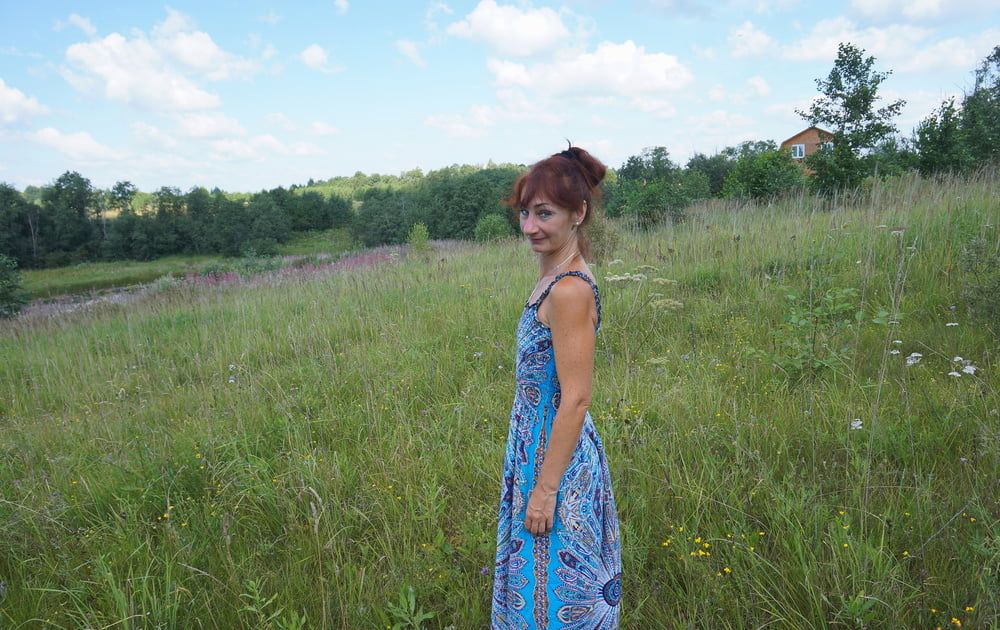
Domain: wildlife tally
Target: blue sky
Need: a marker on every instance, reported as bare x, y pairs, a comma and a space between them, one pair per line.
255, 94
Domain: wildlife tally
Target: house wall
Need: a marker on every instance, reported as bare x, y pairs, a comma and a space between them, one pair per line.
809, 137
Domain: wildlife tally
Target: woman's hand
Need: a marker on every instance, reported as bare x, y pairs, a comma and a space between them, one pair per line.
541, 511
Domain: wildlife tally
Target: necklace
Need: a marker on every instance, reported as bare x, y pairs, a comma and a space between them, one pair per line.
571, 257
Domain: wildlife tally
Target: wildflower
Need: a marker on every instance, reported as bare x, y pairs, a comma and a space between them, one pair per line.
951, 324
856, 424
232, 366
956, 622
894, 351
906, 553
957, 359
914, 358
970, 609
728, 570
484, 571
969, 369
897, 341
477, 355
232, 379
663, 281
954, 373
616, 261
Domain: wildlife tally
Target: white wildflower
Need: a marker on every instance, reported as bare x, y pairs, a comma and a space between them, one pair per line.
953, 373
856, 424
957, 359
897, 341
914, 358
952, 324
969, 369
894, 351
232, 379
232, 366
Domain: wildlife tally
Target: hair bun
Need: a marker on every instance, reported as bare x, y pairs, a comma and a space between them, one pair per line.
592, 169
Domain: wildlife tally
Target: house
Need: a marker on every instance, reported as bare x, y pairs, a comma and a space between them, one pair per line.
807, 142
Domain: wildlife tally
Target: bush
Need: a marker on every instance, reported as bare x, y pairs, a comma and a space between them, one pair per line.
763, 176
604, 238
981, 282
260, 247
12, 297
418, 238
492, 227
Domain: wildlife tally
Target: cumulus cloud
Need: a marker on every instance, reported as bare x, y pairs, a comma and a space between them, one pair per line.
150, 134
746, 40
316, 58
197, 51
511, 30
209, 125
323, 129
80, 22
341, 6
156, 72
919, 9
612, 69
259, 148
902, 47
78, 146
411, 51
281, 120
758, 86
16, 106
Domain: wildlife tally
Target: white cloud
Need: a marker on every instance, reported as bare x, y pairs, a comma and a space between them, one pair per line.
16, 106
134, 72
153, 72
511, 30
746, 40
717, 93
324, 129
455, 125
411, 51
259, 148
920, 9
901, 47
758, 86
270, 17
196, 50
83, 24
341, 6
611, 70
316, 58
78, 146
209, 125
703, 52
279, 119
150, 134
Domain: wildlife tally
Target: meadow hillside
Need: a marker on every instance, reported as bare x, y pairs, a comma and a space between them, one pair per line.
800, 411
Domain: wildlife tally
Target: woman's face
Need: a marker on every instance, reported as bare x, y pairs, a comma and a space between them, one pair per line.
547, 226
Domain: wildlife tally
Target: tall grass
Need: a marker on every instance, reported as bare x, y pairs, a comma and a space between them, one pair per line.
241, 457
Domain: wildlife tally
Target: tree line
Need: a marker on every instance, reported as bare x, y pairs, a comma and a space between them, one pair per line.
71, 221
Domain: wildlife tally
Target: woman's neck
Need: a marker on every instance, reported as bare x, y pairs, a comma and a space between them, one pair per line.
558, 261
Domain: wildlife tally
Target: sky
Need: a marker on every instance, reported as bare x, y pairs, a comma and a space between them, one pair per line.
255, 94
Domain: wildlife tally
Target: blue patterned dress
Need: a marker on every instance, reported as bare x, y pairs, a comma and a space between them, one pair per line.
570, 577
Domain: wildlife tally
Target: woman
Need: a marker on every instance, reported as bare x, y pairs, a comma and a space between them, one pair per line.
558, 562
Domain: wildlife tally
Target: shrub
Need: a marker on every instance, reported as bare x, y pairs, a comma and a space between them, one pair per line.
981, 282
763, 176
604, 238
418, 238
12, 297
492, 227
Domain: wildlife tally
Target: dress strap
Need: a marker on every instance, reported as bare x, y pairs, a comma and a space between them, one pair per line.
578, 274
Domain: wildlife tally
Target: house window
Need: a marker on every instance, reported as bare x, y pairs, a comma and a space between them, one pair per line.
798, 151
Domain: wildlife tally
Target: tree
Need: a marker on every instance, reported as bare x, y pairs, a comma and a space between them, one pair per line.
940, 142
12, 298
981, 111
714, 168
847, 106
120, 197
69, 203
763, 175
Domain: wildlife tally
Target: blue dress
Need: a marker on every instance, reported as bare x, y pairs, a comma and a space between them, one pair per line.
571, 576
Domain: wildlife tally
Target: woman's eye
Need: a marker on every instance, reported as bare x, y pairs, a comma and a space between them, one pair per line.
524, 212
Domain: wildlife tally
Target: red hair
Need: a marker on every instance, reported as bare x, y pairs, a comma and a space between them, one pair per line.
567, 179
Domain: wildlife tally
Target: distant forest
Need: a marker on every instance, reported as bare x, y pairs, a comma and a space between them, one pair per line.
71, 221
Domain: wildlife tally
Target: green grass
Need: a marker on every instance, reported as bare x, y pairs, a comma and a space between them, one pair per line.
91, 276
357, 450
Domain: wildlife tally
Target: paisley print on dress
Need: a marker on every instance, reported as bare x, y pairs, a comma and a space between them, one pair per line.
570, 577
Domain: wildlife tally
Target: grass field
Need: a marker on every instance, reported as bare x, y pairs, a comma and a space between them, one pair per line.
298, 455
92, 276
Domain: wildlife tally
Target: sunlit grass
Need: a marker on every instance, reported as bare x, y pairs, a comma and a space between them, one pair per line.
337, 439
